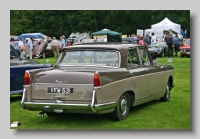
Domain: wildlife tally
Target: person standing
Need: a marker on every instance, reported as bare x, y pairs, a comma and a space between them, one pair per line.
21, 47
63, 42
138, 38
169, 41
30, 47
147, 40
55, 47
176, 44
141, 42
183, 33
153, 38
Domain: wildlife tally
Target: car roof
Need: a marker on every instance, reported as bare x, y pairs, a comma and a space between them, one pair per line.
116, 46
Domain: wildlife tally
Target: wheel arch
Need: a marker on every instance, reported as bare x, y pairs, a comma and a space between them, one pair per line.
170, 80
132, 97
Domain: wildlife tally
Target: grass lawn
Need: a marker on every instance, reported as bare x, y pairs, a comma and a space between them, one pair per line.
172, 115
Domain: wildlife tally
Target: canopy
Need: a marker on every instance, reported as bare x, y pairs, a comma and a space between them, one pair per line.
112, 36
105, 32
167, 24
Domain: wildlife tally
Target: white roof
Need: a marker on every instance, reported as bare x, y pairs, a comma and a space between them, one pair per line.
167, 24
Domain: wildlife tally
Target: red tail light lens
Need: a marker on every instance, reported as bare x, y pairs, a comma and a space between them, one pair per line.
27, 80
96, 80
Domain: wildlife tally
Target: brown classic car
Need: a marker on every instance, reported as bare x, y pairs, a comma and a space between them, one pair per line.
97, 79
38, 49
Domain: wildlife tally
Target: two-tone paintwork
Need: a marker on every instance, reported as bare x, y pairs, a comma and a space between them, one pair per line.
143, 83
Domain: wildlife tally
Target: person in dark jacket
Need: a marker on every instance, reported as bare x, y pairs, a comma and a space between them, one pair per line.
170, 43
176, 44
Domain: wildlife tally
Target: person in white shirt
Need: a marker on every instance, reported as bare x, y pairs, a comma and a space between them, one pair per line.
30, 47
153, 38
21, 47
55, 49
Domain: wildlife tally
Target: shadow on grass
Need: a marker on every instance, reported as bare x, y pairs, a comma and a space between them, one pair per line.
140, 107
15, 97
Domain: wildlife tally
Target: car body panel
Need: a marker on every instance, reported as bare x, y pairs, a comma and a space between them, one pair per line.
144, 82
38, 48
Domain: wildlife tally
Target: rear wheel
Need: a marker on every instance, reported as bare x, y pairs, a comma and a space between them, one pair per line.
123, 107
166, 96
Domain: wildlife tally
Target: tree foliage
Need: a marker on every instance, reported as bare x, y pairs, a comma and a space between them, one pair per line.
64, 22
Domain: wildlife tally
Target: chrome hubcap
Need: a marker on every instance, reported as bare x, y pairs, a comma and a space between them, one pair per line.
167, 91
123, 105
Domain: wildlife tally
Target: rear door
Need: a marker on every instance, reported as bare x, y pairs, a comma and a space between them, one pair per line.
155, 74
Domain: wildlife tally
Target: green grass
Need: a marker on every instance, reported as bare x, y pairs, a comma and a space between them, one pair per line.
172, 115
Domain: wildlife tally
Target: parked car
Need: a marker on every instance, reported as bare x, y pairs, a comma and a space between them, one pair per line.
158, 49
113, 78
18, 67
129, 40
173, 33
38, 49
185, 48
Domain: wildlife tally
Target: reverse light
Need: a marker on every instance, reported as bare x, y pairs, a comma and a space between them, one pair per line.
27, 80
96, 80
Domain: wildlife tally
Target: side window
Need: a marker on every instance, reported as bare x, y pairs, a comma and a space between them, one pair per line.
133, 59
144, 56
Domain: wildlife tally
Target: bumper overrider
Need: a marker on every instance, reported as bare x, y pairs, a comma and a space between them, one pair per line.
59, 106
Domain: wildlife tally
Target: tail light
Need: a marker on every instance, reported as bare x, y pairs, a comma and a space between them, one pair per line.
27, 79
96, 80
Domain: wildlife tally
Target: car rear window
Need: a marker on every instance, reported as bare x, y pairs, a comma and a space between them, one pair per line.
90, 58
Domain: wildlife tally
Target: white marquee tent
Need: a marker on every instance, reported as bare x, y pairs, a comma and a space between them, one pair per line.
167, 24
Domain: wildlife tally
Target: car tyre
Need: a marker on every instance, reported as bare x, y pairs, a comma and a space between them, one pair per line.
166, 96
123, 107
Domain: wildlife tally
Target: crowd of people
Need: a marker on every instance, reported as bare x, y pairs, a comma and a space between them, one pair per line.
22, 44
173, 43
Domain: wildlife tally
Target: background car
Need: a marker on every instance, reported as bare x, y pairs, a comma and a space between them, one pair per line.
185, 48
18, 67
173, 33
158, 49
38, 49
129, 40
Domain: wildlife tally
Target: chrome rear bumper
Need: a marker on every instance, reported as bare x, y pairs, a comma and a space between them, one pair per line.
88, 108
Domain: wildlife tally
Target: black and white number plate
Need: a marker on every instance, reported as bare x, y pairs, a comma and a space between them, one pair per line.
60, 90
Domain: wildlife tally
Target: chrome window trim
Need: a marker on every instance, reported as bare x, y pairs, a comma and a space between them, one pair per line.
119, 63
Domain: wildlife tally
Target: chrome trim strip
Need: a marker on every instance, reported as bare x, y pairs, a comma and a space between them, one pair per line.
97, 87
104, 104
149, 95
27, 85
58, 84
56, 104
93, 101
23, 96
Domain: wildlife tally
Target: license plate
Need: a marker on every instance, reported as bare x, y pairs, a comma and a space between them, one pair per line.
62, 90
188, 53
